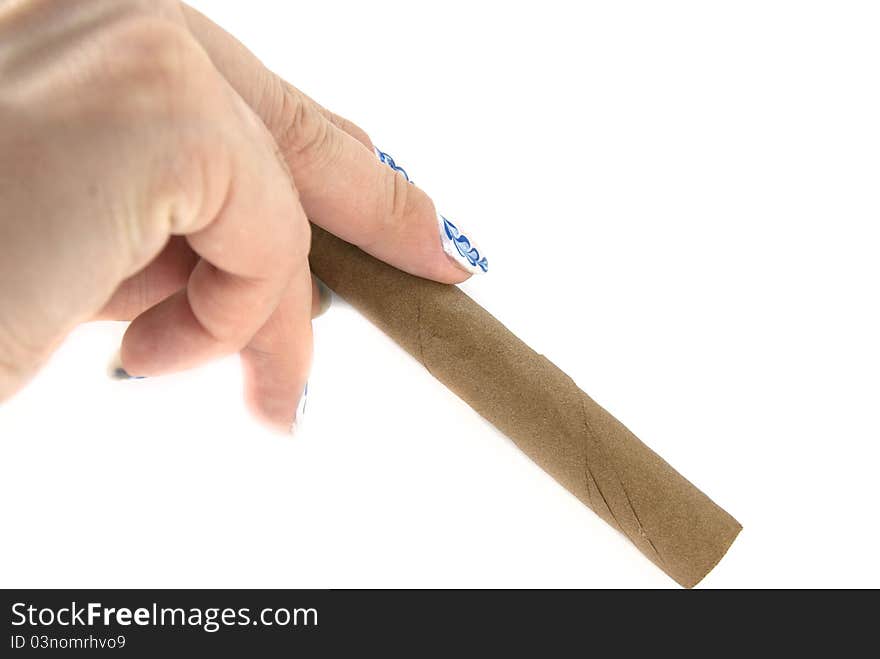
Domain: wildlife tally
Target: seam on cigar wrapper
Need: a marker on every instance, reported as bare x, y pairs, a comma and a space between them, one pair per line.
592, 480
540, 408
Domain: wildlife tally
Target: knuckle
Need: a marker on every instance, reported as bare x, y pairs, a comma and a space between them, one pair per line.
141, 75
229, 328
177, 197
341, 123
191, 186
302, 133
155, 61
351, 128
395, 206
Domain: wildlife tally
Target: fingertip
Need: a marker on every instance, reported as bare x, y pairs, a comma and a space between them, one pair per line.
457, 276
424, 242
277, 361
444, 270
274, 389
167, 338
276, 415
141, 344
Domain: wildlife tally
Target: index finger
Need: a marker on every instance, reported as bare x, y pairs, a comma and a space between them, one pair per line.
342, 184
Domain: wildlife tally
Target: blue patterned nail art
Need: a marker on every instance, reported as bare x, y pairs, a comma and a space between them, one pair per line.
457, 245
388, 160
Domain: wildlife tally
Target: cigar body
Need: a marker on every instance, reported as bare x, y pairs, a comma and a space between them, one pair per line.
537, 406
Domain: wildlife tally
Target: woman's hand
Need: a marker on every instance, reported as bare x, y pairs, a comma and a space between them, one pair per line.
151, 168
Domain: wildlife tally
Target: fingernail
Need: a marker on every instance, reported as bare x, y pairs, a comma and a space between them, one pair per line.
325, 297
300, 411
117, 372
388, 160
460, 248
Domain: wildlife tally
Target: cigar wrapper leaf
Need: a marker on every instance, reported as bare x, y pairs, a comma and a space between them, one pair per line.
536, 405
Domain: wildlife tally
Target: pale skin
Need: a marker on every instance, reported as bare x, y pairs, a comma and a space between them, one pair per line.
152, 170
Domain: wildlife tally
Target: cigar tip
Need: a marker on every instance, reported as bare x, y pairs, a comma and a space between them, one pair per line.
724, 548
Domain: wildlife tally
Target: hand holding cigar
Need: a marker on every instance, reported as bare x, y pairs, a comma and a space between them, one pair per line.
151, 169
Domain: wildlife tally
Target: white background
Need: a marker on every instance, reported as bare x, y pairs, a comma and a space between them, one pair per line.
680, 205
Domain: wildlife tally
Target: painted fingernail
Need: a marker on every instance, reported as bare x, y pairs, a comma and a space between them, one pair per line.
325, 297
300, 411
388, 160
456, 243
117, 372
460, 248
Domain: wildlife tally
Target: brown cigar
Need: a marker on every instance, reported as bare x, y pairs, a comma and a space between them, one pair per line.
538, 406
